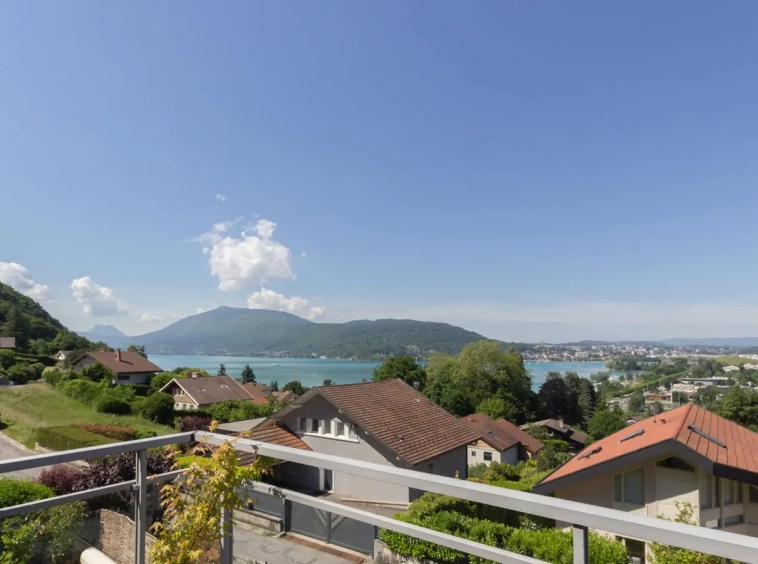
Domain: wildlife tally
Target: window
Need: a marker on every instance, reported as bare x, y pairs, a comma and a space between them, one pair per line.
710, 494
753, 494
488, 456
733, 520
314, 425
473, 453
327, 428
732, 492
354, 431
302, 424
629, 487
675, 463
339, 429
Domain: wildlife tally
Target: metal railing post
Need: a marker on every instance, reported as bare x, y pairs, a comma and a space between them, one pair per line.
140, 507
581, 545
227, 537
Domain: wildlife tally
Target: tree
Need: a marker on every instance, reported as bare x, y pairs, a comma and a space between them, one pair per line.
328, 382
604, 423
274, 386
139, 349
740, 406
98, 372
559, 399
158, 407
247, 376
636, 402
295, 387
17, 325
497, 408
221, 369
403, 367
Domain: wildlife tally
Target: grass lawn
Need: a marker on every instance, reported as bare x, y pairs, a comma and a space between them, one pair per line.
24, 408
735, 360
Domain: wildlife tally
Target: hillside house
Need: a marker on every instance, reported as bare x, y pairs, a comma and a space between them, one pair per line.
130, 367
501, 441
262, 394
387, 422
198, 392
686, 455
557, 429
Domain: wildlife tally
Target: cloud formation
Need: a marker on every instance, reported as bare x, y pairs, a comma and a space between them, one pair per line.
221, 198
268, 299
98, 301
18, 278
149, 318
252, 258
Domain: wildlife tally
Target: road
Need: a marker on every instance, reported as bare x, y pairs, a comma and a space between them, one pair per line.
250, 546
8, 450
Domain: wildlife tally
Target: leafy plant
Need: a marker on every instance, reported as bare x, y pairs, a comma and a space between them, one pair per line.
158, 407
110, 403
664, 554
61, 478
193, 423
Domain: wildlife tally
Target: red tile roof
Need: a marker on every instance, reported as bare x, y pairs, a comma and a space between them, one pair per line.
740, 450
501, 434
397, 415
530, 443
274, 433
207, 390
258, 395
130, 363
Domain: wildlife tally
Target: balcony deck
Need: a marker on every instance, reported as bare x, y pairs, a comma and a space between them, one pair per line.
583, 517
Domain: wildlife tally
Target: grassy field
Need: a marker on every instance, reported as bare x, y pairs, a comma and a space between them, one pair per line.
735, 360
24, 408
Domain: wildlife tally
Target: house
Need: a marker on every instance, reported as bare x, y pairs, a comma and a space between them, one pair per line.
130, 367
285, 397
501, 441
203, 391
686, 455
387, 422
7, 342
262, 394
557, 429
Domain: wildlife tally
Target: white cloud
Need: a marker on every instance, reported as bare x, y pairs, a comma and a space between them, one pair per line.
303, 254
221, 198
204, 309
149, 318
268, 299
98, 301
17, 277
252, 258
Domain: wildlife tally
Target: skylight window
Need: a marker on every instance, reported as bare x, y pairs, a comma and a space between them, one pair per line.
697, 431
637, 433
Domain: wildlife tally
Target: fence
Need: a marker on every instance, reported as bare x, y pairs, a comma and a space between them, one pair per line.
583, 517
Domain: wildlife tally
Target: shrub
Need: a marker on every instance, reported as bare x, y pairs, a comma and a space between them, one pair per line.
7, 359
158, 407
143, 433
97, 372
60, 478
557, 445
240, 410
193, 423
81, 390
111, 431
52, 375
109, 403
67, 438
16, 492
20, 373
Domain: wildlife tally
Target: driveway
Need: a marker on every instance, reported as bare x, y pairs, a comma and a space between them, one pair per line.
11, 449
250, 546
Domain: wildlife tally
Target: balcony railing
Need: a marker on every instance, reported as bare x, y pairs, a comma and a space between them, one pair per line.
583, 517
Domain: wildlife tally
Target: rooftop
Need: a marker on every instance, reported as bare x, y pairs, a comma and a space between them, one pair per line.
124, 362
206, 390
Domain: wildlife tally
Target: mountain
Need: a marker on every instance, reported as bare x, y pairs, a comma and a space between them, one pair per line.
257, 332
715, 342
36, 331
102, 333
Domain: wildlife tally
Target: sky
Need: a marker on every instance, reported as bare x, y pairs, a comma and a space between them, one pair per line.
529, 171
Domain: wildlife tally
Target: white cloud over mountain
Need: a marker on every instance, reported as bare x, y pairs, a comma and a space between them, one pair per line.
252, 258
18, 278
268, 299
149, 318
98, 301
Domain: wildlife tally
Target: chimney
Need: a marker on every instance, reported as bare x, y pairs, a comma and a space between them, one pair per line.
118, 355
560, 423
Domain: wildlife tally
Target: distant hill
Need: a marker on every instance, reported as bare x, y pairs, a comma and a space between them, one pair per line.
715, 342
241, 331
102, 333
36, 331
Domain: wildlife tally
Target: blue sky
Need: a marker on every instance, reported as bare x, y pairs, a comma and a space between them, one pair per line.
530, 171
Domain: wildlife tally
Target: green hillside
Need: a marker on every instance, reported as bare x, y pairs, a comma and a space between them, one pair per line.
242, 331
36, 331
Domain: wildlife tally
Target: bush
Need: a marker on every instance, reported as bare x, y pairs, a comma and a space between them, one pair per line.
240, 410
158, 407
7, 359
16, 492
143, 433
557, 445
20, 373
109, 403
193, 423
140, 390
81, 390
67, 438
98, 372
60, 478
115, 432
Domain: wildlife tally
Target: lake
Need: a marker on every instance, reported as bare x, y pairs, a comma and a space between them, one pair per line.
313, 371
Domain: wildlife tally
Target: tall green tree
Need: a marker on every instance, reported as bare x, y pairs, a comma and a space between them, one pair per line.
221, 370
604, 423
139, 349
17, 325
295, 387
636, 402
560, 401
247, 376
403, 367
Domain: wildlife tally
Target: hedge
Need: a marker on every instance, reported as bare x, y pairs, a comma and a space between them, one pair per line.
115, 432
15, 492
69, 437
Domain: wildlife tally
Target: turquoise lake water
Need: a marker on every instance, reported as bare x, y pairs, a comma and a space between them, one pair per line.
313, 371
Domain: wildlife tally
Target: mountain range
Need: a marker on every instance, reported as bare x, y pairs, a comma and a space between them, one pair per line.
258, 332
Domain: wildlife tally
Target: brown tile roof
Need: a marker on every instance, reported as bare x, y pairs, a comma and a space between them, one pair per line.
530, 443
741, 449
285, 397
274, 433
207, 390
255, 391
491, 432
130, 362
397, 415
555, 425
